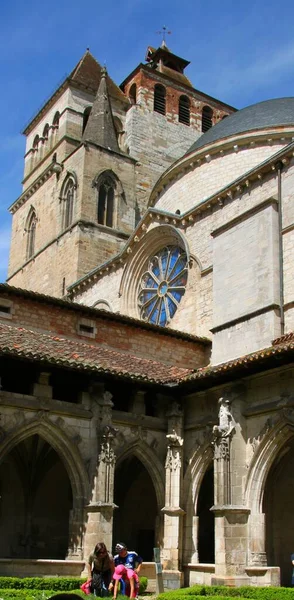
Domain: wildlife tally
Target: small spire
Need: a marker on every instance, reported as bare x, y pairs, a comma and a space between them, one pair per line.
100, 127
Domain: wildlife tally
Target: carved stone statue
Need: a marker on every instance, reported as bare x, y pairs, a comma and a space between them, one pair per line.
174, 439
226, 420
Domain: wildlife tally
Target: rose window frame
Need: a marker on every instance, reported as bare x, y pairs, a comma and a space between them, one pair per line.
163, 285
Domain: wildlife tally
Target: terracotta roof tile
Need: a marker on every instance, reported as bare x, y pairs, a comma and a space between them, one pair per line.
280, 347
288, 337
88, 74
71, 353
179, 77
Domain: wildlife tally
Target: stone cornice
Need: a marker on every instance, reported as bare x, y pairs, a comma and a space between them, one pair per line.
26, 195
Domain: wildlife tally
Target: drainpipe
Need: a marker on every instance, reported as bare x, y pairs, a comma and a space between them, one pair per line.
279, 167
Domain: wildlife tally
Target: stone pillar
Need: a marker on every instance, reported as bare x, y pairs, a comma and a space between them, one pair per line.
231, 521
42, 389
138, 403
257, 556
75, 549
173, 513
99, 512
230, 545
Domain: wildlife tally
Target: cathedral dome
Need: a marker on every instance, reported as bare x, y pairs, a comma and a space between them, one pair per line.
260, 116
233, 147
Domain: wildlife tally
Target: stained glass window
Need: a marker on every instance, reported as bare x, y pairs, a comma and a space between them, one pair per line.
163, 285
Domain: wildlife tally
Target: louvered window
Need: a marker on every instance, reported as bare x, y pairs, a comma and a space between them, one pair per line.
207, 113
184, 110
159, 99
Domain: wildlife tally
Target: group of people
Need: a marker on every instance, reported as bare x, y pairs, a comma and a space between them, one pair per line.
106, 572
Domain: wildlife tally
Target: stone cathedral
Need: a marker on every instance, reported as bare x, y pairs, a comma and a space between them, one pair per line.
146, 344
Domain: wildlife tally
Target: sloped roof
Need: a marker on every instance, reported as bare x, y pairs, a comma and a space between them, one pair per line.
180, 78
281, 352
86, 74
61, 351
263, 115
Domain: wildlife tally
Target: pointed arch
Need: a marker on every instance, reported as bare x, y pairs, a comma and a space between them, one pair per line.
109, 192
199, 464
86, 115
30, 229
67, 198
65, 448
150, 461
263, 459
133, 93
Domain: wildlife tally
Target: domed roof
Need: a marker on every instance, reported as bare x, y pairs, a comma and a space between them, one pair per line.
270, 113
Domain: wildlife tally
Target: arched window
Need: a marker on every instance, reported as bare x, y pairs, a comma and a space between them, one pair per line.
184, 110
207, 114
46, 132
159, 99
133, 93
86, 116
36, 143
68, 203
106, 202
31, 233
56, 120
111, 198
67, 198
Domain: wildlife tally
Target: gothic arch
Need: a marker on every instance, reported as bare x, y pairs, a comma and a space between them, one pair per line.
110, 194
67, 198
263, 459
151, 463
30, 229
66, 450
201, 460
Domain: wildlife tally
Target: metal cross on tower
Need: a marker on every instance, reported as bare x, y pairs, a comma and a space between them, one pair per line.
164, 31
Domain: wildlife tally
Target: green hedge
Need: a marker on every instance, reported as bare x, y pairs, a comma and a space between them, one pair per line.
60, 584
256, 593
54, 584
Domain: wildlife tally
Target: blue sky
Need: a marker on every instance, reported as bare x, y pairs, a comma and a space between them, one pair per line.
240, 53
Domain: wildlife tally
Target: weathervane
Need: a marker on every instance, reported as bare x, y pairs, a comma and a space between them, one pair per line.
163, 32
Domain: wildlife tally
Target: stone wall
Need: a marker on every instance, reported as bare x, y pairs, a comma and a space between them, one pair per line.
113, 333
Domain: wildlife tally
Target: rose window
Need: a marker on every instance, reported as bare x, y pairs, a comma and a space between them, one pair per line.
163, 285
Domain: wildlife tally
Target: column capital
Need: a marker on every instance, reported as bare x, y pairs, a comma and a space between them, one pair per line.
173, 511
222, 509
99, 506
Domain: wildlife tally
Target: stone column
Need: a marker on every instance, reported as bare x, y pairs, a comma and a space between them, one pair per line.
173, 513
75, 549
257, 556
99, 512
230, 520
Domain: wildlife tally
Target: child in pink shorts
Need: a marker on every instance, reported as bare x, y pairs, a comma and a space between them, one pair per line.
130, 579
